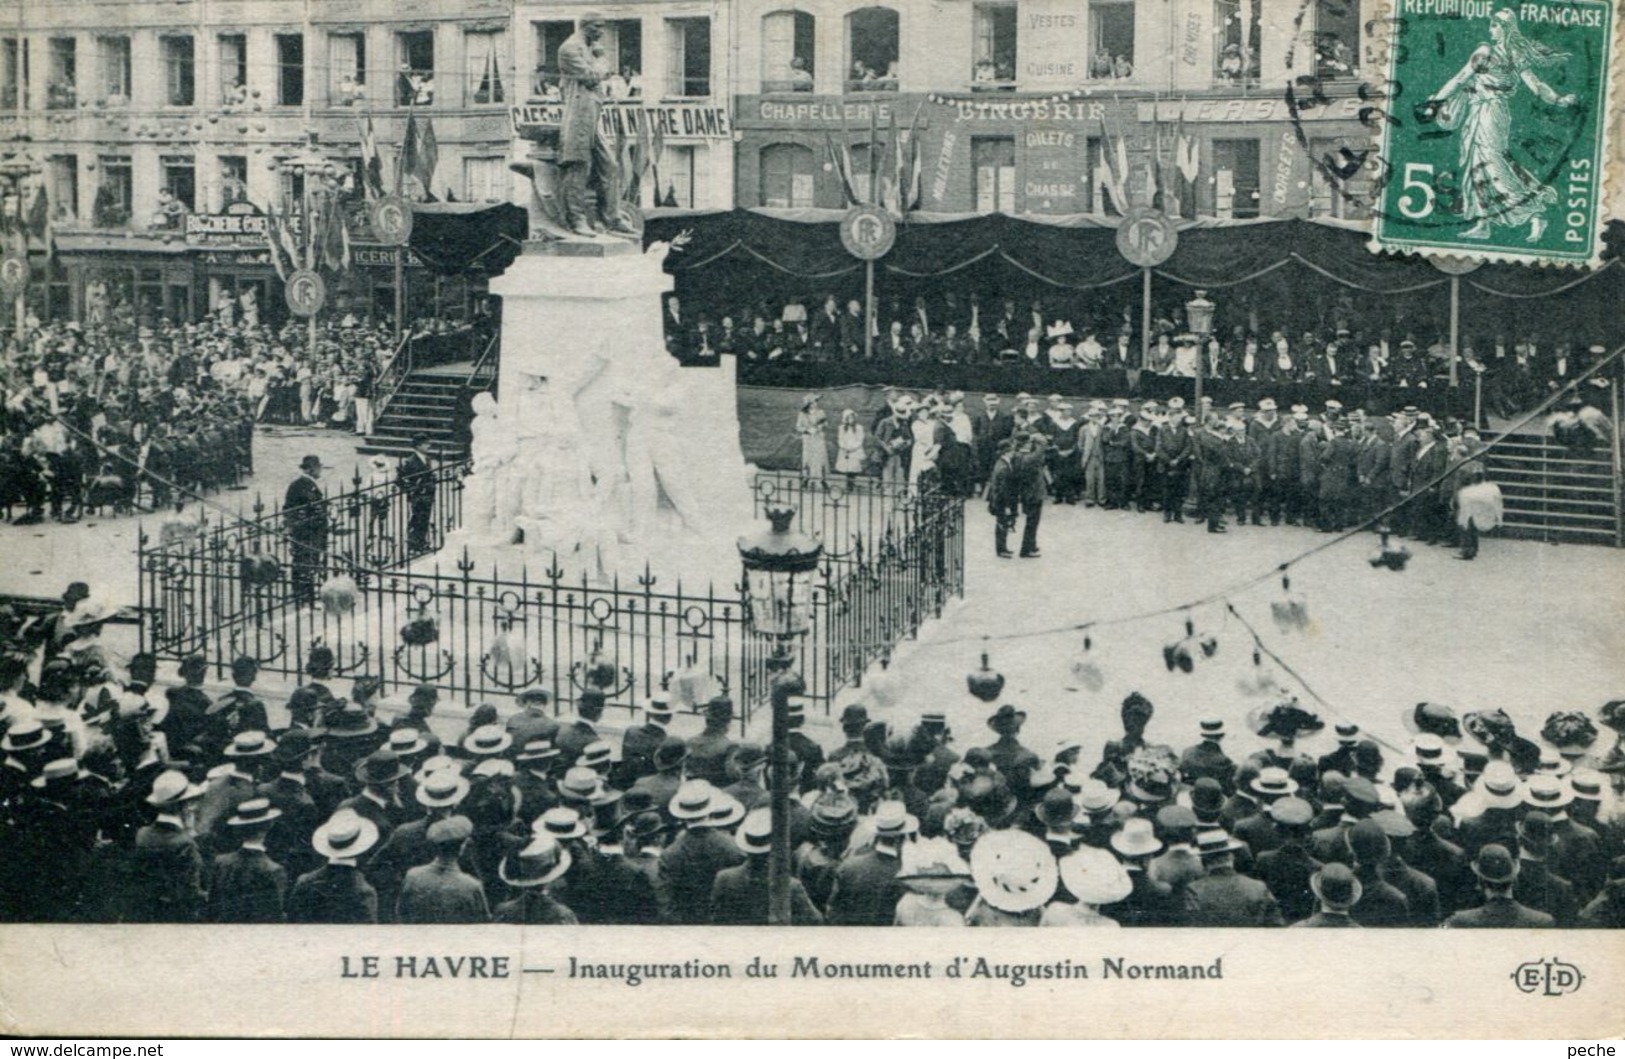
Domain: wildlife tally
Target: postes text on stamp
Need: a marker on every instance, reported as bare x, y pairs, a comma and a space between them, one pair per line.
1495, 138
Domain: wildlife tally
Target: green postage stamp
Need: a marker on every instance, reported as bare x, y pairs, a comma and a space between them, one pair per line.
1494, 140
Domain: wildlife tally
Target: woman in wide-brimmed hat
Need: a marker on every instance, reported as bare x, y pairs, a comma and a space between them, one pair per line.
810, 426
1015, 875
1093, 877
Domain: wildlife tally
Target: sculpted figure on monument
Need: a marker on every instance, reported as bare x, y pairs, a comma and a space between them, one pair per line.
587, 164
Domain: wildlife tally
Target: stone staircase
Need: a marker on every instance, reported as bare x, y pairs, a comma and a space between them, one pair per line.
425, 403
1553, 493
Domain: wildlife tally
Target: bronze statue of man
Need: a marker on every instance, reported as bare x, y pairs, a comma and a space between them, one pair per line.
586, 161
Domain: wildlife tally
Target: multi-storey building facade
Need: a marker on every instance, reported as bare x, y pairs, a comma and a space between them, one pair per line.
155, 122
1014, 101
675, 71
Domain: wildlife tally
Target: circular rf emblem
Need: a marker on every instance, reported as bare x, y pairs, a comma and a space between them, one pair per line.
13, 272
392, 220
306, 292
1147, 237
868, 232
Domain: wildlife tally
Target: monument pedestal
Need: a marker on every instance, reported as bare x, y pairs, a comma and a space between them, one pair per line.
603, 451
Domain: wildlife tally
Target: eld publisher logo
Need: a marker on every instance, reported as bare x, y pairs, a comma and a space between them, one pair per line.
1550, 977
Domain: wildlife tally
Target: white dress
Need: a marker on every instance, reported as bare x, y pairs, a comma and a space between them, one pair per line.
849, 444
925, 450
814, 445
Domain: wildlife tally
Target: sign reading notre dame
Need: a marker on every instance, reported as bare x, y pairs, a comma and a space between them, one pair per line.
868, 232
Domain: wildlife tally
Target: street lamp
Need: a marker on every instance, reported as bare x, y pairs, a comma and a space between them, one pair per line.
1199, 315
780, 564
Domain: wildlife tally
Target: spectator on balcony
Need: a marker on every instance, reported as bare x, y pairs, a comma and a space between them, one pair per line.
1122, 68
801, 80
1232, 64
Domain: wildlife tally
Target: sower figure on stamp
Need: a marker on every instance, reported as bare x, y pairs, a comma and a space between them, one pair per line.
585, 161
1494, 187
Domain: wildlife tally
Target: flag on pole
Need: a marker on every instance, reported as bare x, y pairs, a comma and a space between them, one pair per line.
372, 166
409, 153
428, 158
841, 162
273, 242
1188, 161
908, 185
1114, 153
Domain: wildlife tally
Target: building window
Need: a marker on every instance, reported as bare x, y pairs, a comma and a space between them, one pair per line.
1236, 62
787, 176
414, 87
233, 179
549, 37
1340, 193
871, 48
679, 171
62, 74
62, 172
1235, 178
623, 38
1337, 38
11, 71
179, 89
688, 57
993, 167
994, 53
113, 192
788, 51
292, 188
180, 180
233, 51
487, 58
113, 56
346, 68
290, 69
1111, 28
486, 179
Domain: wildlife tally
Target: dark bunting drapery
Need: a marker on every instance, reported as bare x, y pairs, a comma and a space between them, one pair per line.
457, 238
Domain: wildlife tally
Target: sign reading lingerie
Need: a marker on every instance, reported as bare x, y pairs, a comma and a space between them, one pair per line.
1495, 127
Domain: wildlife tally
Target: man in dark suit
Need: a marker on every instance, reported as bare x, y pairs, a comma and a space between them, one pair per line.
638, 744
1381, 904
416, 477
1030, 485
247, 885
533, 721
238, 784
988, 428
1335, 890
304, 509
380, 774
238, 710
866, 890
808, 754
689, 866
183, 727
1287, 869
287, 841
1224, 897
440, 891
166, 869
1207, 758
708, 752
1538, 887
337, 892
574, 737
1497, 873
740, 894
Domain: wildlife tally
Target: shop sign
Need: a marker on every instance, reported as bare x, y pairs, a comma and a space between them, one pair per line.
381, 257
821, 112
1079, 110
225, 258
673, 121
224, 229
1054, 53
1261, 109
1055, 180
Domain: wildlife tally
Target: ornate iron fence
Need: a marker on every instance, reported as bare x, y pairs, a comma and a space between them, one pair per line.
893, 559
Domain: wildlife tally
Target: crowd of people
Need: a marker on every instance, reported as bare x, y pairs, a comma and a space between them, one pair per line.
117, 417
1330, 468
121, 801
1337, 349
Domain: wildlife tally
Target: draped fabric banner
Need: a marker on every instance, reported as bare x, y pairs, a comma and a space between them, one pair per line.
1080, 253
457, 237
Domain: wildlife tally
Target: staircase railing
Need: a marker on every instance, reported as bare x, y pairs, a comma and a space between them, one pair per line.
484, 371
393, 374
1556, 493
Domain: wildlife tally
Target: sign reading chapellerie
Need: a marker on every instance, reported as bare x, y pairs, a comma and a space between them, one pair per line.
674, 121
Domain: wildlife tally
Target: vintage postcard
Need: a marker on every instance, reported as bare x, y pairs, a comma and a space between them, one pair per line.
649, 519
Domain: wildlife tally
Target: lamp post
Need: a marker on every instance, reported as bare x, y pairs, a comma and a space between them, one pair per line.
319, 184
14, 170
1199, 315
779, 565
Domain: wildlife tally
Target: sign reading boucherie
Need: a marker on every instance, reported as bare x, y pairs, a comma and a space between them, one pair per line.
674, 121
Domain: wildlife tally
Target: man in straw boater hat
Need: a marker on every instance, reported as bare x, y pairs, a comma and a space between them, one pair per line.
1497, 872
1148, 903
628, 863
380, 775
638, 745
689, 866
247, 886
1207, 757
1015, 876
166, 865
1224, 897
530, 871
661, 785
337, 892
247, 758
440, 792
740, 894
865, 891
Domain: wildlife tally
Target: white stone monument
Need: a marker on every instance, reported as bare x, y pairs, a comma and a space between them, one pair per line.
601, 449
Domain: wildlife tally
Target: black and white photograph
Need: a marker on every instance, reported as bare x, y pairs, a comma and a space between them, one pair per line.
485, 474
